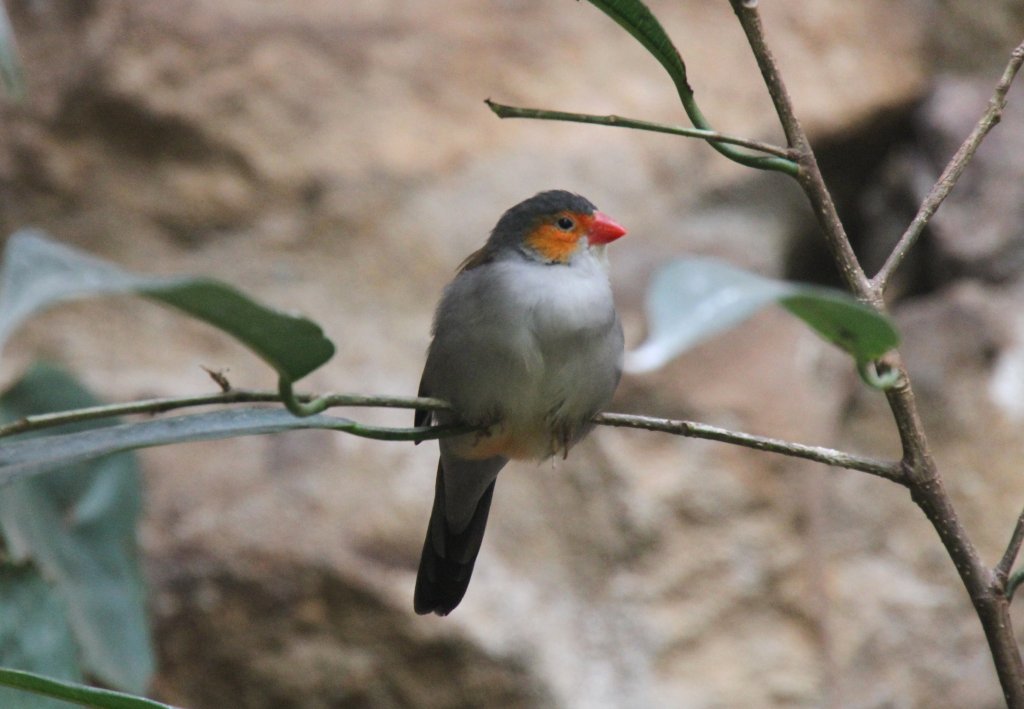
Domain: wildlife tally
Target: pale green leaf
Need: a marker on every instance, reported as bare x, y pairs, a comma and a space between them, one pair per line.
693, 299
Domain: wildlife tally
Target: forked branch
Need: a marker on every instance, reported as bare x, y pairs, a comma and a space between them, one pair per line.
986, 588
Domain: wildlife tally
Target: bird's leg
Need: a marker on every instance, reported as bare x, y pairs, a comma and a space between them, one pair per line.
562, 436
487, 426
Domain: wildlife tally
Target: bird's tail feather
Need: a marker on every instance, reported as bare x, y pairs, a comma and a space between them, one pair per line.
448, 558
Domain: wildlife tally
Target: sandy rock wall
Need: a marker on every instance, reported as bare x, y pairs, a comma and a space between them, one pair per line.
336, 158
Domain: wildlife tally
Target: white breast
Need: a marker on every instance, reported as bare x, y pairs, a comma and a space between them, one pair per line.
536, 346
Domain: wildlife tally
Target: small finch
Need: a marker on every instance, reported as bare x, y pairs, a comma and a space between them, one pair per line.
527, 346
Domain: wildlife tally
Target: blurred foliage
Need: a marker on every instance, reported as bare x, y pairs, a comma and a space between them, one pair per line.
11, 77
34, 633
72, 597
38, 273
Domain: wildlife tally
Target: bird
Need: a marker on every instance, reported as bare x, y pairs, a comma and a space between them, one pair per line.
526, 348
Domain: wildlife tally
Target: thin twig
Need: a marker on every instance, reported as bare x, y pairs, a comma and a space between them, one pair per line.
236, 396
712, 136
951, 174
828, 456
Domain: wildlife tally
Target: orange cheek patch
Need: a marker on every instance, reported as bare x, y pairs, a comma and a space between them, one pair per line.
552, 243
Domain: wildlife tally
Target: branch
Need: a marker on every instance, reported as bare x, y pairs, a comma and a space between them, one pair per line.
809, 174
889, 470
828, 456
920, 473
711, 136
951, 174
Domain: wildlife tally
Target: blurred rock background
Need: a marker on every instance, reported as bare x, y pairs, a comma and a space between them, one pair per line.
336, 158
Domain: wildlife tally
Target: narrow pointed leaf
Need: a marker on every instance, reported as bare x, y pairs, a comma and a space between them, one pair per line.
77, 525
635, 17
38, 273
77, 694
639, 21
692, 299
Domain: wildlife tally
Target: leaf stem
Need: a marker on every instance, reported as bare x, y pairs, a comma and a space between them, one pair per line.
1005, 565
878, 376
504, 111
299, 407
1013, 583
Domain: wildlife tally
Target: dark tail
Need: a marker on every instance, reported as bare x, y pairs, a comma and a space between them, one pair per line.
447, 561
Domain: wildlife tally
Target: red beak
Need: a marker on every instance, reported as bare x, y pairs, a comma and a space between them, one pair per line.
604, 229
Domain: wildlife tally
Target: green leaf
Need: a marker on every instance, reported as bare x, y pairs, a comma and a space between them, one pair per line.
635, 17
692, 299
25, 457
74, 693
77, 525
639, 21
847, 323
292, 345
38, 273
34, 634
11, 76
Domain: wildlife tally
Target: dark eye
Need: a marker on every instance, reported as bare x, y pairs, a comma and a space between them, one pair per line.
565, 223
